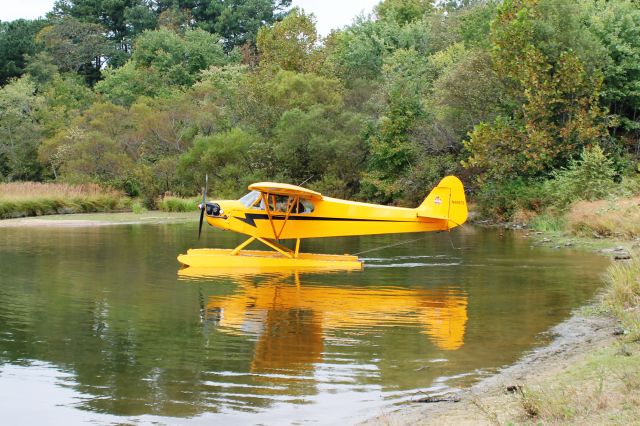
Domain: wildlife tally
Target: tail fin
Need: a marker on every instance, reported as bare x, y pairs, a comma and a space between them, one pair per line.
446, 201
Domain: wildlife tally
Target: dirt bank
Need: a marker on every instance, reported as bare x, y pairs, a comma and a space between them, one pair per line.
498, 399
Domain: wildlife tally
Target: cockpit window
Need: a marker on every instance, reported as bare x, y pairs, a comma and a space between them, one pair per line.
250, 199
305, 206
278, 204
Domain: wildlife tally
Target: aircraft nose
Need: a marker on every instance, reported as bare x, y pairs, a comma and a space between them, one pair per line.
213, 209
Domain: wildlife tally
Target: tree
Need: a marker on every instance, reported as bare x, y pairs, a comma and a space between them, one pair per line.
467, 92
393, 149
291, 44
162, 60
617, 26
17, 40
554, 99
77, 46
20, 132
92, 147
403, 11
320, 146
239, 21
227, 157
122, 19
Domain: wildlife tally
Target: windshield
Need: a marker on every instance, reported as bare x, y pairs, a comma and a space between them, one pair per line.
250, 199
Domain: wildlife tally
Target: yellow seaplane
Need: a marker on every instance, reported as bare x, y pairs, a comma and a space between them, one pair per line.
273, 212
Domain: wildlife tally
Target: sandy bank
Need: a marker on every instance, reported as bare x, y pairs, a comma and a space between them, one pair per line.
496, 400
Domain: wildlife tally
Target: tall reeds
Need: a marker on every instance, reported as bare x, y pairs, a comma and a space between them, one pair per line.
21, 199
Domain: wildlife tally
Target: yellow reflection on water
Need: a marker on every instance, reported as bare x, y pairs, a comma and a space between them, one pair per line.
292, 318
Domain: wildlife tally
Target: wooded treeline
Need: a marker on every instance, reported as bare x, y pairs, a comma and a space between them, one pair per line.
147, 96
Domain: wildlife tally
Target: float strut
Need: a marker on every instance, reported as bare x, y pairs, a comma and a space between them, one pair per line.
236, 250
277, 247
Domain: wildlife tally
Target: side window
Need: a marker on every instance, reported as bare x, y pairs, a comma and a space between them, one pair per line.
305, 206
282, 203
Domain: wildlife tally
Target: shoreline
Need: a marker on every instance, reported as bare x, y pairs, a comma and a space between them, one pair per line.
496, 399
75, 220
502, 397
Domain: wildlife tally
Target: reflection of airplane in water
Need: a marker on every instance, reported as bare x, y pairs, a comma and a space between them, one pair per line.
292, 320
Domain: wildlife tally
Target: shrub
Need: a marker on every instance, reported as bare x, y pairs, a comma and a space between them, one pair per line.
176, 204
501, 200
591, 177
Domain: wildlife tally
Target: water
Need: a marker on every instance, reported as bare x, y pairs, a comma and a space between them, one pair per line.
97, 325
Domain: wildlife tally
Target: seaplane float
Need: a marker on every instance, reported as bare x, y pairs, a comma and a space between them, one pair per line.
272, 213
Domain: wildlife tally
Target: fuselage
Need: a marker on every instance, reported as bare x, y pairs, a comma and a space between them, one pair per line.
325, 217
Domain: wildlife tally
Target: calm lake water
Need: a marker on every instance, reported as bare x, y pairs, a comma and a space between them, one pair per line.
97, 325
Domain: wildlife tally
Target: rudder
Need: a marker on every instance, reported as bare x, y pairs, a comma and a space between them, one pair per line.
446, 201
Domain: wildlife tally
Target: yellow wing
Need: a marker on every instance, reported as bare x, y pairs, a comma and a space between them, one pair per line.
284, 189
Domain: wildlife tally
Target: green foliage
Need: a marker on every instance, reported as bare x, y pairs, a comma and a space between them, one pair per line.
162, 60
17, 41
467, 92
20, 132
501, 200
403, 11
228, 160
73, 44
318, 144
138, 207
237, 21
549, 222
178, 57
555, 102
617, 27
176, 204
126, 84
290, 44
591, 177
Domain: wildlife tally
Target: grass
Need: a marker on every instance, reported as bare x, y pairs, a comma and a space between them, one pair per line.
176, 204
21, 199
604, 387
600, 389
548, 222
619, 218
622, 295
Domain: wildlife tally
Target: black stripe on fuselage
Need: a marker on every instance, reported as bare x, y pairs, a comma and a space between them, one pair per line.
250, 219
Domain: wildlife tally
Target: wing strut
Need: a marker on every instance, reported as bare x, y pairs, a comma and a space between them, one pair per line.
265, 199
289, 211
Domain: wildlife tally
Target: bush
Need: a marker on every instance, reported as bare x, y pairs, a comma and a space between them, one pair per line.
176, 204
500, 201
591, 177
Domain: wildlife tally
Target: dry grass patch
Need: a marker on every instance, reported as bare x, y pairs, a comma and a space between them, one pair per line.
622, 295
608, 218
602, 389
20, 199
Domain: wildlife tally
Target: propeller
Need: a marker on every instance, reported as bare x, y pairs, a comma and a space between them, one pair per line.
203, 206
